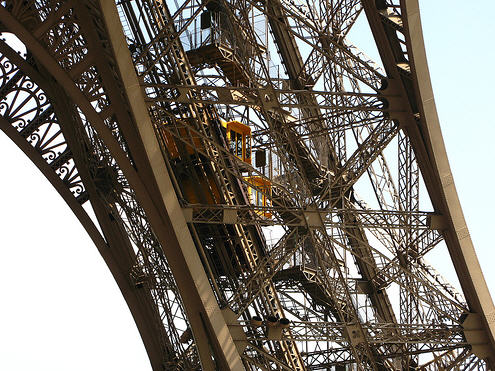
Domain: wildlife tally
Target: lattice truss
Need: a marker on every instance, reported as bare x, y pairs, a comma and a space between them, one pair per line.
341, 258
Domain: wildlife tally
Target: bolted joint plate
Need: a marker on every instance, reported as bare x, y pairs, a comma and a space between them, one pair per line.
476, 336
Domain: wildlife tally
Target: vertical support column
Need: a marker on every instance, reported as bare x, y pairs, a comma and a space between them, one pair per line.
409, 201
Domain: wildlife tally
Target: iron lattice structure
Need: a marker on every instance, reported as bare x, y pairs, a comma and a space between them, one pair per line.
121, 104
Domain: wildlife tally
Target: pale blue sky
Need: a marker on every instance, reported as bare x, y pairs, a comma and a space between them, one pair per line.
61, 309
459, 43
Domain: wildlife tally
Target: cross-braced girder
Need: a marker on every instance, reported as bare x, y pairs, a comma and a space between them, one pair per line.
310, 255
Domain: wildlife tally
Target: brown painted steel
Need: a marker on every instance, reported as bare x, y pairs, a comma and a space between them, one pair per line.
181, 235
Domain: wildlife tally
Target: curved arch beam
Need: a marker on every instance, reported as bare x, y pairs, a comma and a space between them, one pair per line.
461, 247
422, 126
209, 326
56, 182
121, 277
114, 248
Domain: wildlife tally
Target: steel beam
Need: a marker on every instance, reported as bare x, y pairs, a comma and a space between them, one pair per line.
461, 246
209, 325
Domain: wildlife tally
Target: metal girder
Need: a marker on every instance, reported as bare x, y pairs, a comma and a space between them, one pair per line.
42, 139
426, 139
216, 332
135, 79
252, 214
67, 81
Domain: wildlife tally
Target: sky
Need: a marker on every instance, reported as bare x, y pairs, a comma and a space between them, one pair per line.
457, 39
60, 308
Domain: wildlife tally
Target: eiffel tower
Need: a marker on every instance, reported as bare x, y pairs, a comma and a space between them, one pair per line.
264, 194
